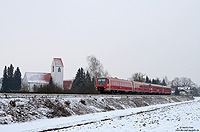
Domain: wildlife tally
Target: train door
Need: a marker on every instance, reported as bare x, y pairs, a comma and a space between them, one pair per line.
108, 83
133, 86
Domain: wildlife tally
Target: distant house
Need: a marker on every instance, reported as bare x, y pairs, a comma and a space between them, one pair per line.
185, 90
33, 79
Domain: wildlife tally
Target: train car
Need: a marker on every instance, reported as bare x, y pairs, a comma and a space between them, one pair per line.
167, 90
102, 84
113, 85
141, 87
156, 89
119, 85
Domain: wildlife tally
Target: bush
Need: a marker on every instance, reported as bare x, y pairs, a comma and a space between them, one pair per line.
12, 103
83, 102
49, 89
67, 103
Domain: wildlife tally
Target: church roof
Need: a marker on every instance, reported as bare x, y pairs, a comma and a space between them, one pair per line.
58, 62
35, 77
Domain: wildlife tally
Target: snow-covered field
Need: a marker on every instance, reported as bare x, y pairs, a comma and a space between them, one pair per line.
181, 116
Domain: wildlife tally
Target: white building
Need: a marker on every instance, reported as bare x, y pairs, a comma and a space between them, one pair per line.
57, 72
32, 79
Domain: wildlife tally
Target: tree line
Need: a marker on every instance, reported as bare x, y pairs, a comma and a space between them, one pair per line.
139, 77
11, 79
85, 79
176, 83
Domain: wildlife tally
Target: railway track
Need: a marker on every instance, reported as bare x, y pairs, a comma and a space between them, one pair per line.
37, 95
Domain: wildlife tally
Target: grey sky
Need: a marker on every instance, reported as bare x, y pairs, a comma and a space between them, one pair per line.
158, 38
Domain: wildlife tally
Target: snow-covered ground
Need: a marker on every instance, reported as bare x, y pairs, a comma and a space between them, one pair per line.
181, 116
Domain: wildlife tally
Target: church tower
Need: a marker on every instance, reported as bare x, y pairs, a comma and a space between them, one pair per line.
57, 68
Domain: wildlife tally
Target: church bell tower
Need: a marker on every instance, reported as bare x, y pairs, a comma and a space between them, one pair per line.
57, 72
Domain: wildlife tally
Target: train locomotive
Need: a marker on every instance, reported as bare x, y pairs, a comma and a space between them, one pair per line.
114, 85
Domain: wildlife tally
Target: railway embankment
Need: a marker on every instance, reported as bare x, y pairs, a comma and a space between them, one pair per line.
28, 107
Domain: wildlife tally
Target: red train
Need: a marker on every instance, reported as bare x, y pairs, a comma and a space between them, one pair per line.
114, 85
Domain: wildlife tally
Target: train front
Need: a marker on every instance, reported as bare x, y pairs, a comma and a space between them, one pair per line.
102, 84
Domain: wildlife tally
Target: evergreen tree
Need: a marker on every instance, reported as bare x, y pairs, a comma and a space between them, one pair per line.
147, 80
153, 81
10, 78
164, 83
51, 81
5, 80
150, 81
88, 80
157, 81
82, 79
76, 80
17, 79
177, 92
89, 84
79, 81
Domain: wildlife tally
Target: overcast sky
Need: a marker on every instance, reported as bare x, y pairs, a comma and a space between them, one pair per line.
154, 37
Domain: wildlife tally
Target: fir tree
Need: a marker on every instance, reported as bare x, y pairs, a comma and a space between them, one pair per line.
51, 81
10, 78
82, 78
157, 81
17, 79
76, 80
89, 84
5, 80
147, 80
79, 81
164, 83
153, 81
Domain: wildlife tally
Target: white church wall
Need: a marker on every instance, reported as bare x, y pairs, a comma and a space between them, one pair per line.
57, 74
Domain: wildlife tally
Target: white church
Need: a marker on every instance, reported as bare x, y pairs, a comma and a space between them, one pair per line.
32, 79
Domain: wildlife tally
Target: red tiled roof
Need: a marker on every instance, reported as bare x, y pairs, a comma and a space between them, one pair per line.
67, 84
58, 62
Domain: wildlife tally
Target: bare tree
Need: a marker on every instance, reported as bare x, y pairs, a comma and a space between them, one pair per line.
139, 77
186, 82
96, 68
182, 82
176, 82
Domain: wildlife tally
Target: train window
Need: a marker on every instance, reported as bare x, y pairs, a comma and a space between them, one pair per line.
107, 81
101, 81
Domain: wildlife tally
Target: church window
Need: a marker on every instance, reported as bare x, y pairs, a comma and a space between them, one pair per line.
59, 69
53, 69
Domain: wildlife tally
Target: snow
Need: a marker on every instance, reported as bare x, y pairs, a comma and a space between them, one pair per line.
36, 77
181, 116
